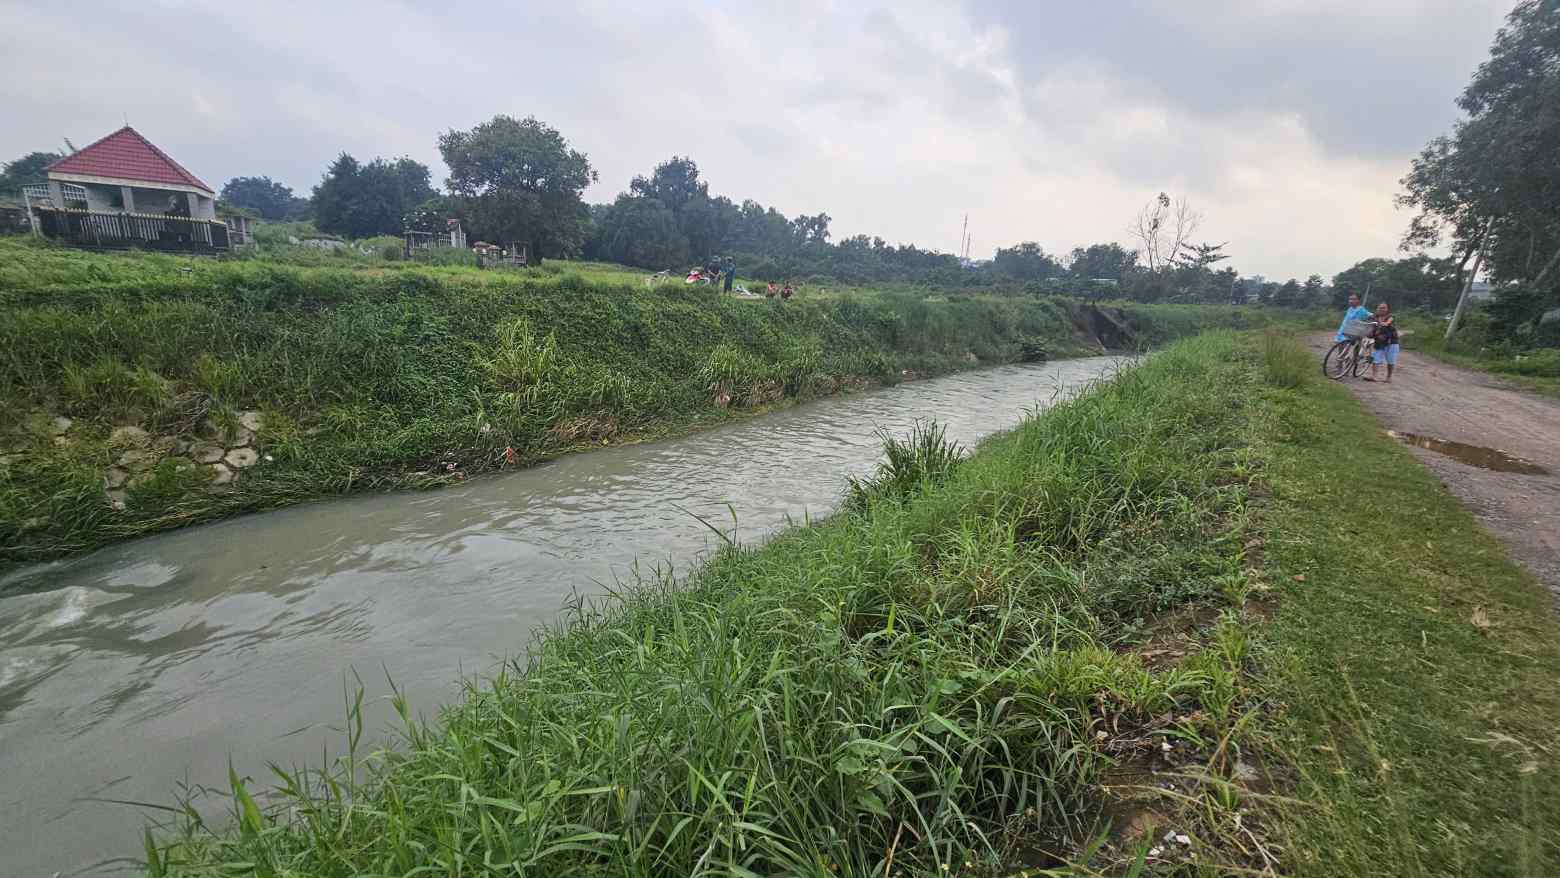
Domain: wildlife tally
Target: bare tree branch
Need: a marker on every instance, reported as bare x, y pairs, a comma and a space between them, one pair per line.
1163, 228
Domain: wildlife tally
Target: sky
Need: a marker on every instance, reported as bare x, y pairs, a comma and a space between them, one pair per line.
1285, 123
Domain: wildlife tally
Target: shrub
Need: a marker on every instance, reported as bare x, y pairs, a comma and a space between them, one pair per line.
910, 465
1285, 363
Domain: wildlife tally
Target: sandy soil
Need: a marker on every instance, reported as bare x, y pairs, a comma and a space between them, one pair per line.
1432, 399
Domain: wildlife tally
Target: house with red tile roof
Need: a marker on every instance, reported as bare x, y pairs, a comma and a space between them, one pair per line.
126, 172
122, 191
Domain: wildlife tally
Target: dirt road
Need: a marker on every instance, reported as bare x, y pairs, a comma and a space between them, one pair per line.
1432, 400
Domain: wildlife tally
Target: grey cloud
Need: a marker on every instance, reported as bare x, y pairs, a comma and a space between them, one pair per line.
894, 118
1368, 78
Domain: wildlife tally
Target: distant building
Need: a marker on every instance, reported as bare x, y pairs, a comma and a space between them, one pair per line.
122, 191
125, 172
1481, 290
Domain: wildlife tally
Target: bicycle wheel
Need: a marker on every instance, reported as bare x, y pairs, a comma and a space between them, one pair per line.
1361, 356
1339, 360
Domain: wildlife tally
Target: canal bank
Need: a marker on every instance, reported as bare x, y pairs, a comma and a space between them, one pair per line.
145, 664
150, 399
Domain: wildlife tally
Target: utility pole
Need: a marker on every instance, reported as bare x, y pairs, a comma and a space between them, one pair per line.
1462, 300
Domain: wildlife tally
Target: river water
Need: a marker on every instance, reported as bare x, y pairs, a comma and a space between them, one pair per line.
151, 664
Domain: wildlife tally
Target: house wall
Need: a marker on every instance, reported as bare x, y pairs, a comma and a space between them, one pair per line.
101, 197
205, 208
148, 200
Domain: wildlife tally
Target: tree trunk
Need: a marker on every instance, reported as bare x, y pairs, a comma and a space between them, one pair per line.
1462, 300
1549, 266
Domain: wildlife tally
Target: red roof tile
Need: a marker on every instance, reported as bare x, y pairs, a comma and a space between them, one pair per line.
126, 155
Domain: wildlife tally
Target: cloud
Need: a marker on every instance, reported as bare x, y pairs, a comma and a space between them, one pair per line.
1287, 122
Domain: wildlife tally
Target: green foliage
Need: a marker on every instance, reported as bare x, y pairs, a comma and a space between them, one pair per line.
361, 201
107, 385
1493, 177
936, 680
1413, 282
382, 367
1285, 362
922, 460
1026, 261
270, 199
522, 365
518, 180
1437, 771
1102, 262
29, 170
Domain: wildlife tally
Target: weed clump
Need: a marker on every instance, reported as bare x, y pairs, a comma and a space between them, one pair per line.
922, 460
1285, 362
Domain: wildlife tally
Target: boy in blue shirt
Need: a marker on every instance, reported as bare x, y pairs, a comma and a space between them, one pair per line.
1356, 312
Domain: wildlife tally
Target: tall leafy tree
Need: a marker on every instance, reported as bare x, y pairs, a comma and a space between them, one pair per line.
1495, 175
1102, 262
360, 201
28, 170
263, 195
1313, 292
1416, 281
521, 181
1026, 261
336, 195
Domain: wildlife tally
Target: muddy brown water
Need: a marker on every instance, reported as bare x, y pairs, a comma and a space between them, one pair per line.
146, 665
1472, 455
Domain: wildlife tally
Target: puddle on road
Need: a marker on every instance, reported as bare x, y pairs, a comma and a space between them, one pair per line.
1473, 455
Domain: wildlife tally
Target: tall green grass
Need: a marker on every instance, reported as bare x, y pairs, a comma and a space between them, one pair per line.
1413, 667
1285, 361
930, 682
378, 376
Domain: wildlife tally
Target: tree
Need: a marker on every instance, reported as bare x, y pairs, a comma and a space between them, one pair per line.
1494, 179
520, 181
29, 170
1415, 282
811, 229
361, 201
1288, 294
263, 195
1163, 227
335, 195
1026, 261
1102, 262
675, 183
1313, 292
1203, 255
431, 216
637, 231
1226, 287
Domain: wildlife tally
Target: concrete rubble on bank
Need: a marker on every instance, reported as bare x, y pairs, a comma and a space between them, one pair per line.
221, 451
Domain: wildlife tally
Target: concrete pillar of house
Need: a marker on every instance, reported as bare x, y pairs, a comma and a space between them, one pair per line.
194, 201
56, 194
128, 197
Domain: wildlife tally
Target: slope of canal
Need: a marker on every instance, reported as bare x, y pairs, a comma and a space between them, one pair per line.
150, 664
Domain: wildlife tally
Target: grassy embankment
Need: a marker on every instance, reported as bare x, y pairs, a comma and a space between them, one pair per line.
1416, 668
974, 668
1479, 345
390, 375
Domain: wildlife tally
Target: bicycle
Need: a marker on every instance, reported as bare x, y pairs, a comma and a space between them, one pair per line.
1345, 357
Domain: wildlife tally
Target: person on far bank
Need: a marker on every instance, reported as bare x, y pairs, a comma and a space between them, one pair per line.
1386, 335
731, 272
1356, 312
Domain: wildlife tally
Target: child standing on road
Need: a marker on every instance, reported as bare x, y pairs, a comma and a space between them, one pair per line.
1386, 336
